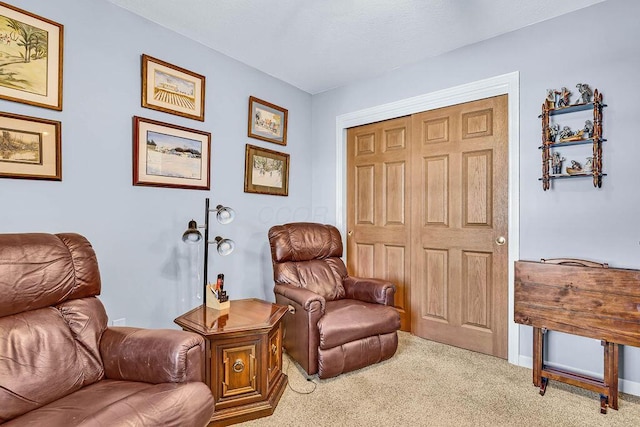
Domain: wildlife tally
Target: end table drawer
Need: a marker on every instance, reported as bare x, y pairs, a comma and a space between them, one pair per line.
239, 370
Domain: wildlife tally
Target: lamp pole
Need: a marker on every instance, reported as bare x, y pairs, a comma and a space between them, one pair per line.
206, 251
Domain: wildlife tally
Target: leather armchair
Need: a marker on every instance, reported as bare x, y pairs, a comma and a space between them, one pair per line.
338, 323
60, 365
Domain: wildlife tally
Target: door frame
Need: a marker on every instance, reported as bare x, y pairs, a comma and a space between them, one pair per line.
508, 84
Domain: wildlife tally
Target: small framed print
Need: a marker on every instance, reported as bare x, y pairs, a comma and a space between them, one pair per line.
166, 155
30, 147
172, 89
30, 58
267, 121
266, 171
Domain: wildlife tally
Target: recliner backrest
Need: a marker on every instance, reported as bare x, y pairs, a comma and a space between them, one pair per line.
50, 320
39, 270
308, 255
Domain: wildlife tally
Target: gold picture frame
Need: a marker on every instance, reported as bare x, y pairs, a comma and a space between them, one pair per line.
266, 171
166, 155
30, 58
30, 148
267, 121
171, 89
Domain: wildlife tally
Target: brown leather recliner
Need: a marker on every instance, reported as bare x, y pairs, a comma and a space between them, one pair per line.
60, 365
340, 323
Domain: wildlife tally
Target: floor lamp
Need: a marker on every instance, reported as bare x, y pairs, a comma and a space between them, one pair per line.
224, 215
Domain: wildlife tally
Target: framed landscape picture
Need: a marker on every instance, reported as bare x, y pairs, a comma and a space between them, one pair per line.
30, 58
266, 171
172, 89
30, 147
166, 155
267, 121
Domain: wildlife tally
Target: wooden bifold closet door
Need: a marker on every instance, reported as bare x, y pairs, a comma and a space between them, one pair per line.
378, 206
428, 209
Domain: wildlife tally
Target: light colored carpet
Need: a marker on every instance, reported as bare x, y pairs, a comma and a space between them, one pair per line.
431, 384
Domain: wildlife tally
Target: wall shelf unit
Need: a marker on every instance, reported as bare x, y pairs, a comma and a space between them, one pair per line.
550, 145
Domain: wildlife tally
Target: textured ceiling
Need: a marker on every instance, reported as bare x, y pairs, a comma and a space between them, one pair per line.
318, 45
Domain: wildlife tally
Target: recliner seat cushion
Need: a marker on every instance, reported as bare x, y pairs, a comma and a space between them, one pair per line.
349, 320
120, 403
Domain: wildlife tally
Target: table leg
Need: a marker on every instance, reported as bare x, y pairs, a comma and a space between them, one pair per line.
538, 342
611, 372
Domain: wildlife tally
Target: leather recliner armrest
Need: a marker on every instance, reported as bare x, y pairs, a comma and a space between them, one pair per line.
369, 290
152, 355
301, 336
301, 296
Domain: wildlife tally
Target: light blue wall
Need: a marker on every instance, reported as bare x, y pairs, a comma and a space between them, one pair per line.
147, 272
598, 45
149, 275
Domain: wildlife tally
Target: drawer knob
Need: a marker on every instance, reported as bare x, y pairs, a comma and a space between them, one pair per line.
238, 366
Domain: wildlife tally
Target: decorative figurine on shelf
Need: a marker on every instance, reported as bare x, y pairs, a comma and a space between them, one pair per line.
565, 133
588, 165
563, 100
575, 168
553, 132
588, 129
551, 98
556, 163
585, 93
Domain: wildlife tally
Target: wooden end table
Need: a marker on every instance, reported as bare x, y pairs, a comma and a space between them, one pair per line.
243, 366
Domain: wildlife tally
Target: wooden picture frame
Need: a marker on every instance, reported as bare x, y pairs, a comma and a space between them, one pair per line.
166, 155
30, 148
171, 89
267, 121
30, 58
266, 171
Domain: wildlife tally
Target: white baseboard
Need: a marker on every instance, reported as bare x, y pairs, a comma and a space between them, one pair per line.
625, 386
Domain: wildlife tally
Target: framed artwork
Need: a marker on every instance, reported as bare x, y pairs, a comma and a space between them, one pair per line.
30, 58
166, 155
266, 171
30, 147
267, 122
172, 89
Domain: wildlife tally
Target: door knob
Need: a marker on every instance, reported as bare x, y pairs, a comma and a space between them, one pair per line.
350, 233
501, 241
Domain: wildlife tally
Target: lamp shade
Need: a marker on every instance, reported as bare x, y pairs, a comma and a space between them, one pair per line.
225, 246
192, 235
224, 214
